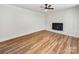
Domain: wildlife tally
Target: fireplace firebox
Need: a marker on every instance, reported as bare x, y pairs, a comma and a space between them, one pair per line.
57, 26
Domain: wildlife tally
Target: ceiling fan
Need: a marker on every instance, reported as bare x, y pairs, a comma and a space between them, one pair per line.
47, 7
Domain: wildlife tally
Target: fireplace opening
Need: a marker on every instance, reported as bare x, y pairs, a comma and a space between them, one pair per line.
57, 26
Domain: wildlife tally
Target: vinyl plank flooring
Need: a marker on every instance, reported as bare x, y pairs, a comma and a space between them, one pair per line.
41, 42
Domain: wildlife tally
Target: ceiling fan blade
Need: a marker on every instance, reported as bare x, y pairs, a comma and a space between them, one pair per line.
46, 5
49, 6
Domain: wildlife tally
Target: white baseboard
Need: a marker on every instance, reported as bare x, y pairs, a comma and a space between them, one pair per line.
21, 34
17, 35
65, 33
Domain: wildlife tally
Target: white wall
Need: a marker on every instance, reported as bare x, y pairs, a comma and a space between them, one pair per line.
15, 21
70, 19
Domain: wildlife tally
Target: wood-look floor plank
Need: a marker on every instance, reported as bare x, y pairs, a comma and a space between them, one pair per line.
41, 42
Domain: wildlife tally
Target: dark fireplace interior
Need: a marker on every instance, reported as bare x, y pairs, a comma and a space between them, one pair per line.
57, 26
